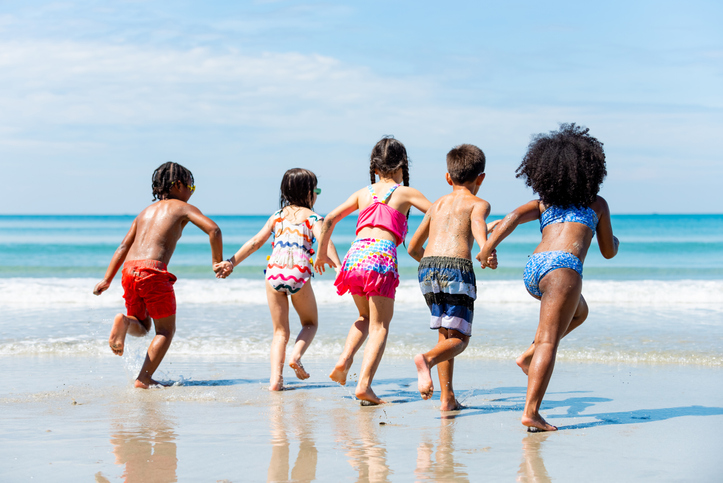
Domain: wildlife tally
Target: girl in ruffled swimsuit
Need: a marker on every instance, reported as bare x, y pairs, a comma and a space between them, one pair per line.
369, 271
565, 168
294, 227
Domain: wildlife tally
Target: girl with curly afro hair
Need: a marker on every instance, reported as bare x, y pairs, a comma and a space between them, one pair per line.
565, 168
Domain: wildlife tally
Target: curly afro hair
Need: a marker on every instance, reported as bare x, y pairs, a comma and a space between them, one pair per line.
565, 168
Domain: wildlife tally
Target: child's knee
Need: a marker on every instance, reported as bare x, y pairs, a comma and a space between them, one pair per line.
282, 332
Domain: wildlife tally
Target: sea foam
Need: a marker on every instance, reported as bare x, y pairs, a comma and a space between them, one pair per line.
48, 292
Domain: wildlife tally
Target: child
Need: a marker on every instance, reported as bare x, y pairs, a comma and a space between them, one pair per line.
288, 272
148, 246
369, 270
446, 276
565, 168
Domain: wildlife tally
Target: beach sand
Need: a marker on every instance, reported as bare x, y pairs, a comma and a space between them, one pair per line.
67, 418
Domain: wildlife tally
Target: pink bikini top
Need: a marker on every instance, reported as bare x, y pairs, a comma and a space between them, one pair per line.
380, 214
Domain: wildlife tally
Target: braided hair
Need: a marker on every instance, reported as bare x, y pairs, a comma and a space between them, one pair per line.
166, 176
389, 155
565, 168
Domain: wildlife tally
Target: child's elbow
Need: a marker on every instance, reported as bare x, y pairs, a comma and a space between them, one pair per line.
611, 251
415, 253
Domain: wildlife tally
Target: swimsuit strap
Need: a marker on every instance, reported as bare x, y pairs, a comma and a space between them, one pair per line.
374, 195
389, 193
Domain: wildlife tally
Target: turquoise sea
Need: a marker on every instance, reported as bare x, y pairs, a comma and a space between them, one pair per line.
659, 301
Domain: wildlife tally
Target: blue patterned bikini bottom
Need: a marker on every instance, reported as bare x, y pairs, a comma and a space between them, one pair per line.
540, 264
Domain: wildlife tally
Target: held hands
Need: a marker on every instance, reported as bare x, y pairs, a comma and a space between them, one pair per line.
222, 269
322, 260
490, 261
101, 287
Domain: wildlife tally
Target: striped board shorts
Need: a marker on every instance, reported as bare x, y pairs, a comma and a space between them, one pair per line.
450, 289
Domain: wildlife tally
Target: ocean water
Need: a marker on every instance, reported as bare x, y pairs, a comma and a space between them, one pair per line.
660, 301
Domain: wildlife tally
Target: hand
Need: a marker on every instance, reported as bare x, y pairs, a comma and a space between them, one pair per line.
489, 261
222, 269
492, 260
322, 260
101, 287
491, 226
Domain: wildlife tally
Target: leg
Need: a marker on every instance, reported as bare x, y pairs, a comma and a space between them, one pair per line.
450, 344
165, 328
123, 325
279, 307
357, 335
305, 305
580, 315
560, 299
381, 310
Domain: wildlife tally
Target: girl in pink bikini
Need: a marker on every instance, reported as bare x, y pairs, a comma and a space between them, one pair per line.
294, 226
369, 270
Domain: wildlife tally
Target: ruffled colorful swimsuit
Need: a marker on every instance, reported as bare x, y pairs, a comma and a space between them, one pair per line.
540, 264
289, 266
370, 266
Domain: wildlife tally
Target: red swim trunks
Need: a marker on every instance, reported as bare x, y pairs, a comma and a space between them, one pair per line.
148, 289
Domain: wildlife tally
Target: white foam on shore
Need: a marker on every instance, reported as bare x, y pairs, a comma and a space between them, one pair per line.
60, 292
246, 348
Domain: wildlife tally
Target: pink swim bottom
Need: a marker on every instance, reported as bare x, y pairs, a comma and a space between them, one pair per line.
369, 269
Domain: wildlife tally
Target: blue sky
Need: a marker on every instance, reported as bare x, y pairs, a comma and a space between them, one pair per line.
95, 95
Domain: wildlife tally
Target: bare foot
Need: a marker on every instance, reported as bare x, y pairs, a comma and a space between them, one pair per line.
151, 382
278, 385
117, 338
453, 405
537, 424
424, 377
339, 373
367, 397
299, 370
526, 358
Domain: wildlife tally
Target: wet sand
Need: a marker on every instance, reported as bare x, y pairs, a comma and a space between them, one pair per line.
66, 418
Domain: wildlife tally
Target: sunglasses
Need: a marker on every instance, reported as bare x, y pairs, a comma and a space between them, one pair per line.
317, 191
191, 187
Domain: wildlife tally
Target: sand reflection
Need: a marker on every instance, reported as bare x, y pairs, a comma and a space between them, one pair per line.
532, 469
292, 420
356, 433
439, 464
145, 445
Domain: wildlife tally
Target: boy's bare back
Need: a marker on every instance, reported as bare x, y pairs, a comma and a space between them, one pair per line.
455, 221
158, 228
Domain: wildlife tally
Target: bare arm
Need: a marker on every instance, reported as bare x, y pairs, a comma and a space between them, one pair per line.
224, 268
525, 213
416, 244
607, 242
478, 219
331, 252
418, 200
118, 258
209, 227
338, 213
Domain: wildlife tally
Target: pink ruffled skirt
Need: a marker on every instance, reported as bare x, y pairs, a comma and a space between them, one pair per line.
369, 269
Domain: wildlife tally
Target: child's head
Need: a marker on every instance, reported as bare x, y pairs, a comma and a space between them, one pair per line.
465, 163
297, 188
565, 167
166, 176
388, 156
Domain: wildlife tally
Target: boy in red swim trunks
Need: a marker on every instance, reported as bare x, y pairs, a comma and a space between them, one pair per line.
148, 247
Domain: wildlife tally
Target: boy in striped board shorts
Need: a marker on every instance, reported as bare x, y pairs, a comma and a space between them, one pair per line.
446, 276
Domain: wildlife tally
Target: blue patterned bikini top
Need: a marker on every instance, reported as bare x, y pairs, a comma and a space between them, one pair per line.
573, 214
